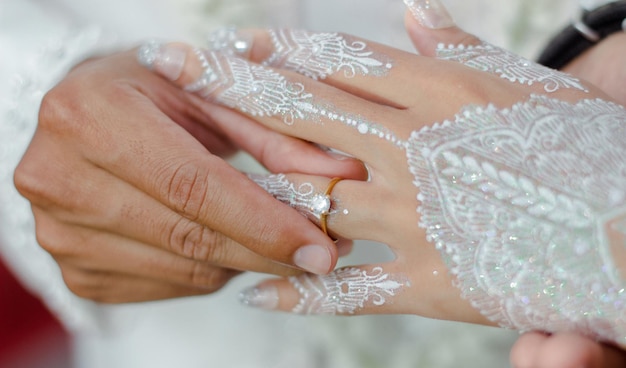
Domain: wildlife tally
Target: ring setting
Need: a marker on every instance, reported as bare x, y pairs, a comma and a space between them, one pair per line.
321, 204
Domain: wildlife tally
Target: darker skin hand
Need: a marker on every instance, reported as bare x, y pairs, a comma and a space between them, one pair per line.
132, 196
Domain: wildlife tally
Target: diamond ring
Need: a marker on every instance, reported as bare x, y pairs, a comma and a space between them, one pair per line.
320, 204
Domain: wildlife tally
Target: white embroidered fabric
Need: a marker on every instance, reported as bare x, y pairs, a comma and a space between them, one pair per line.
518, 201
19, 245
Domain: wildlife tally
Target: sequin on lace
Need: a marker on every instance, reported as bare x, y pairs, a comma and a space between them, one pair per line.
517, 201
344, 291
507, 65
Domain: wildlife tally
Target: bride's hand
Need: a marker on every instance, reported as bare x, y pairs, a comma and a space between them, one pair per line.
478, 143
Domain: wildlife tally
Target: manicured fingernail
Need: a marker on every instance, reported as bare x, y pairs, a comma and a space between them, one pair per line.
313, 258
430, 13
230, 41
167, 60
265, 297
337, 156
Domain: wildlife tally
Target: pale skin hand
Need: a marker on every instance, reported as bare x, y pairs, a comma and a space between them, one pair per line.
603, 66
132, 198
388, 215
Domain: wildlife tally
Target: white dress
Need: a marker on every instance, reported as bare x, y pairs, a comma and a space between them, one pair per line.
40, 40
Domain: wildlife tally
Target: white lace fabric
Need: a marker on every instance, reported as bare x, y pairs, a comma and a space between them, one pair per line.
18, 244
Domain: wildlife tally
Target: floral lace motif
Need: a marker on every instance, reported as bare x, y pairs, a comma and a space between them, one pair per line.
507, 65
517, 201
344, 291
318, 55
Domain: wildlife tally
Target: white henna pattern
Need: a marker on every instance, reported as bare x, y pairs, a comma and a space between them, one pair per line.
304, 198
260, 91
517, 201
507, 65
249, 88
344, 291
229, 41
318, 55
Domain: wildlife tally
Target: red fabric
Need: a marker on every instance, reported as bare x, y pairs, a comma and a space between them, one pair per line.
25, 323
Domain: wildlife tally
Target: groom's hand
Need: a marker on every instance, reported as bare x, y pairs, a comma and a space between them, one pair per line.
132, 198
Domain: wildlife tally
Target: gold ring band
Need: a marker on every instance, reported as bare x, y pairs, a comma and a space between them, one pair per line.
324, 215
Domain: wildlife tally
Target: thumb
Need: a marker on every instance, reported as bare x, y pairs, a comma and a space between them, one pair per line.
429, 24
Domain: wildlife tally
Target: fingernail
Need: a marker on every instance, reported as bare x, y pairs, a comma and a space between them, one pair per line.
313, 258
167, 60
265, 297
337, 156
430, 13
231, 41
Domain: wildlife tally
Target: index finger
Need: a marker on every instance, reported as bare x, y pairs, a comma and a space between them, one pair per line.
139, 144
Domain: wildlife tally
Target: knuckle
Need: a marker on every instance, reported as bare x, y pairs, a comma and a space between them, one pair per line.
28, 181
58, 107
209, 278
188, 190
48, 238
99, 287
81, 283
193, 240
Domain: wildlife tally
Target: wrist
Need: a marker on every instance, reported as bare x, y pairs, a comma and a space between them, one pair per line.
591, 28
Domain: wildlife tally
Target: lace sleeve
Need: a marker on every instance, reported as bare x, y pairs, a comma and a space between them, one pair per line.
18, 119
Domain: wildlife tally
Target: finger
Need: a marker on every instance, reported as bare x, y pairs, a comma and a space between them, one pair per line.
348, 291
341, 207
573, 350
344, 247
97, 251
115, 288
429, 24
130, 213
164, 161
434, 33
281, 153
280, 100
524, 353
344, 61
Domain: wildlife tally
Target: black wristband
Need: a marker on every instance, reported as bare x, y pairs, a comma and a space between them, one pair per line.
576, 38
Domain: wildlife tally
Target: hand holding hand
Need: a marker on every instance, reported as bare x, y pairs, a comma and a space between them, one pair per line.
132, 197
487, 146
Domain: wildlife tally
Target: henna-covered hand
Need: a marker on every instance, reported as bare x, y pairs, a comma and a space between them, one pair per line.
498, 183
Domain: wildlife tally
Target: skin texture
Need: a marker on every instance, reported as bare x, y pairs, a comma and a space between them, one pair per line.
389, 190
132, 196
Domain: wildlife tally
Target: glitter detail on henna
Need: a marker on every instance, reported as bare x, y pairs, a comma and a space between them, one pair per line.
508, 65
304, 198
517, 201
260, 91
231, 42
312, 54
345, 291
318, 55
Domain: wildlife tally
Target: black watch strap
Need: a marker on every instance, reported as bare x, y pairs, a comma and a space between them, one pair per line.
576, 38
